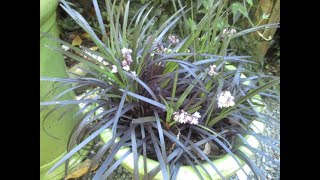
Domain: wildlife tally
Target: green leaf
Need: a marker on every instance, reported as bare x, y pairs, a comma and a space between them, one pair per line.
236, 17
238, 7
169, 109
222, 24
250, 2
125, 20
200, 27
265, 16
174, 88
100, 21
192, 24
207, 4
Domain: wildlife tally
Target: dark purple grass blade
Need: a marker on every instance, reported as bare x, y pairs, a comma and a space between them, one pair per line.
174, 139
104, 166
134, 151
194, 167
97, 158
70, 102
144, 152
117, 116
144, 120
143, 85
256, 171
160, 132
158, 154
150, 101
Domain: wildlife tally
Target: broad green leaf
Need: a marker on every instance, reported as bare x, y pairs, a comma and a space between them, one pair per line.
265, 16
236, 17
207, 4
235, 7
250, 2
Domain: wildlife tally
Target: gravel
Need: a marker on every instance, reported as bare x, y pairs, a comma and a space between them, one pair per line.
121, 174
267, 167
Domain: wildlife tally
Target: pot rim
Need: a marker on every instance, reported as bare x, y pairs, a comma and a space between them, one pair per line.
226, 164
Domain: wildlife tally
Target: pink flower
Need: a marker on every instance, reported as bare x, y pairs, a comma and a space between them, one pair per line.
212, 70
225, 99
127, 59
114, 69
184, 117
173, 39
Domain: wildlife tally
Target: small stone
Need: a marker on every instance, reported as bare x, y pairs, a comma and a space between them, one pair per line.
119, 171
101, 143
269, 176
125, 170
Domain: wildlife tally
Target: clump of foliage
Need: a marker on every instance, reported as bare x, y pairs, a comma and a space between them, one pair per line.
253, 13
168, 93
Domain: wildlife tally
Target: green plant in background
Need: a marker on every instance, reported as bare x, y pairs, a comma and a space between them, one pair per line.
252, 13
172, 92
260, 16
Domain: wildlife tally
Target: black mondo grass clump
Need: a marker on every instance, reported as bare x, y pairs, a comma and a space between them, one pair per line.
166, 96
